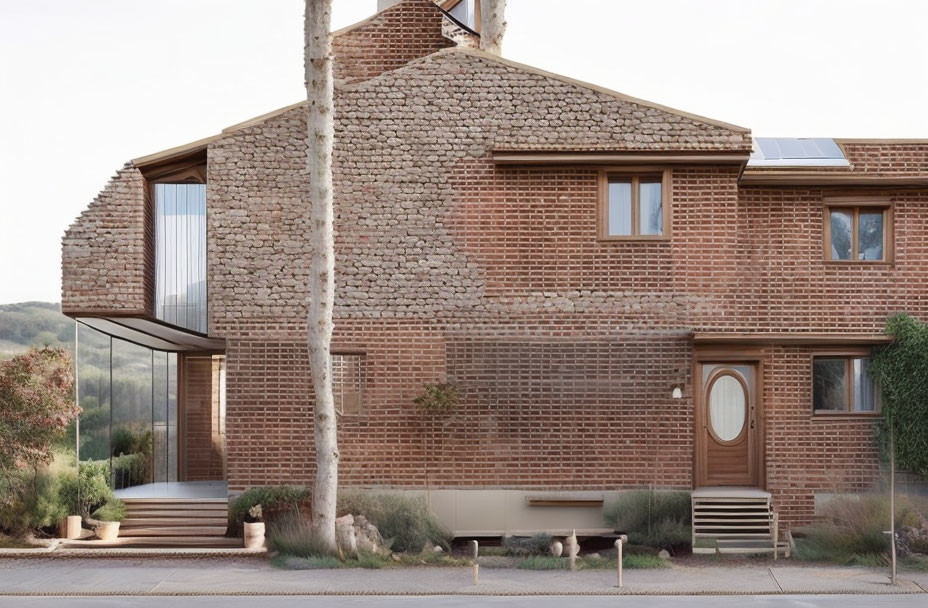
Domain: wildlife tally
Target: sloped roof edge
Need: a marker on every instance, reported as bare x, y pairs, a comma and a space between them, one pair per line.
593, 87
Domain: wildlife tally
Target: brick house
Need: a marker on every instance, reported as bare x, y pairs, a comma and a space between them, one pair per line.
628, 296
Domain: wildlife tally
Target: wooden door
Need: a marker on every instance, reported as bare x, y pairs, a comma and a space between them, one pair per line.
727, 451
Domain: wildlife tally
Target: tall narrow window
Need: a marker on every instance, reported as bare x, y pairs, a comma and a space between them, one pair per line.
634, 206
349, 373
861, 233
180, 255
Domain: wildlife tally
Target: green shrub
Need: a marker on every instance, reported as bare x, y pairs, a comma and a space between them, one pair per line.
113, 510
36, 505
83, 494
439, 400
653, 518
276, 502
406, 523
539, 544
851, 530
291, 535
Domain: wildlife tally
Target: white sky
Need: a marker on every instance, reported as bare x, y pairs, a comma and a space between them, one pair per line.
86, 85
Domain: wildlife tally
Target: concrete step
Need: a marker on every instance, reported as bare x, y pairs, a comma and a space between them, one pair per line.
178, 513
177, 531
142, 541
154, 522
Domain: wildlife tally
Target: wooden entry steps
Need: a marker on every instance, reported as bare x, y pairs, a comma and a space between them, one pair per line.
171, 522
735, 520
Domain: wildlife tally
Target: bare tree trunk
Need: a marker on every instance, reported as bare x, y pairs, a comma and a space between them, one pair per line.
493, 25
321, 134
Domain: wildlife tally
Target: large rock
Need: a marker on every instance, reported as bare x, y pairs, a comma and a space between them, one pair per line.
355, 534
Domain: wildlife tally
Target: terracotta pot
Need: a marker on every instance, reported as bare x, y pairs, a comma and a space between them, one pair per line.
107, 530
70, 527
254, 535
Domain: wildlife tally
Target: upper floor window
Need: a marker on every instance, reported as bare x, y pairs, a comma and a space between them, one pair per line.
841, 384
858, 231
634, 205
180, 254
465, 11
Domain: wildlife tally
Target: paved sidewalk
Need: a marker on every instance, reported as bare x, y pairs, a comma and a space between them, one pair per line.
255, 577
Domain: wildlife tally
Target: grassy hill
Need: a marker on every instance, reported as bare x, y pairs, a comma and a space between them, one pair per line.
33, 324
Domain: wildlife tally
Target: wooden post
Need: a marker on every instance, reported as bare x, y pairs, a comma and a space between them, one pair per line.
776, 533
618, 545
476, 549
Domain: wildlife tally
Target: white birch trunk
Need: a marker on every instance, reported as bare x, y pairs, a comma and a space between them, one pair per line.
492, 26
321, 134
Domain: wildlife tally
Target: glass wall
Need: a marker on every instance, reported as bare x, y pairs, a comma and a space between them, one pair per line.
128, 396
180, 255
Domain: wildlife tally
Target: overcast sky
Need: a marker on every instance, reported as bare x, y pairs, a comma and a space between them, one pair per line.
86, 85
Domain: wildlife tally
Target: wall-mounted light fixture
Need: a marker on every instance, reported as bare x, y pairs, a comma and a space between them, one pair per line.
677, 392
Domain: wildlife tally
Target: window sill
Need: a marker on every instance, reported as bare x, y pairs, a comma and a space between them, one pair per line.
840, 415
859, 262
634, 239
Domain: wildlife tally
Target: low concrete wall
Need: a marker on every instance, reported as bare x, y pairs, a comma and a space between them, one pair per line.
498, 512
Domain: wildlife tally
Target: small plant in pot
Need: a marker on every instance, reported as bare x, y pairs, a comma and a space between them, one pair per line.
106, 519
254, 528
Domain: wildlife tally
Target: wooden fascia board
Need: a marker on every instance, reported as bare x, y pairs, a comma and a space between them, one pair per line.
789, 339
752, 178
527, 158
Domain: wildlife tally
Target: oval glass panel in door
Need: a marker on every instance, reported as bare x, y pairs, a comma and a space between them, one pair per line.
727, 407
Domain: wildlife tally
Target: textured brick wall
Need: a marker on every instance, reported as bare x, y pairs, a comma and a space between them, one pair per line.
103, 252
390, 40
202, 453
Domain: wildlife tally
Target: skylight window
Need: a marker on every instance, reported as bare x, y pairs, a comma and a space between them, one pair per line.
797, 152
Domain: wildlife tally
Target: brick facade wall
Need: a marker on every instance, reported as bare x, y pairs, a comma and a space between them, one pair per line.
203, 444
103, 266
390, 40
449, 268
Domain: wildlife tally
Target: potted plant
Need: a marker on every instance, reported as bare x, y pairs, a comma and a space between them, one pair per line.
254, 528
106, 519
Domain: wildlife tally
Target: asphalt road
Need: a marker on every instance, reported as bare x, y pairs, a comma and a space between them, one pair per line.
706, 601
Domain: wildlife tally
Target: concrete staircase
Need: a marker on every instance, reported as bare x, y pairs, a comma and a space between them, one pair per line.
172, 522
735, 520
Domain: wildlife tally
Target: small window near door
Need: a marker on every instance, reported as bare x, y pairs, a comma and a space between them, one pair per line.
634, 205
349, 374
842, 385
860, 232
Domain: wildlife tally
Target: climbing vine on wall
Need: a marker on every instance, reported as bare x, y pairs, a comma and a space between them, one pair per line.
901, 368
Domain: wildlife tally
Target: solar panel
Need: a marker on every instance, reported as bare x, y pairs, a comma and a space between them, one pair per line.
797, 152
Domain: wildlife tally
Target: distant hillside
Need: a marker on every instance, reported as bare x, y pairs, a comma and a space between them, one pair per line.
33, 324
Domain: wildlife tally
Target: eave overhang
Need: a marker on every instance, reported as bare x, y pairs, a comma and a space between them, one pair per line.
788, 339
635, 157
831, 178
150, 333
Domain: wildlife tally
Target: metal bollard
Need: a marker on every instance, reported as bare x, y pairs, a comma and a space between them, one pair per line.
476, 549
618, 545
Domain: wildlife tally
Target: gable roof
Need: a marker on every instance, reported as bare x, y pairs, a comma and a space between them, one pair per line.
642, 124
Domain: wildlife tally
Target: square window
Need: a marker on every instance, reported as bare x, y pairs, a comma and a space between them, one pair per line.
861, 233
842, 385
634, 206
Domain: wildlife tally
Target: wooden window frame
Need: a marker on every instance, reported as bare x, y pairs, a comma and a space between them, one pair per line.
854, 205
635, 175
848, 355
